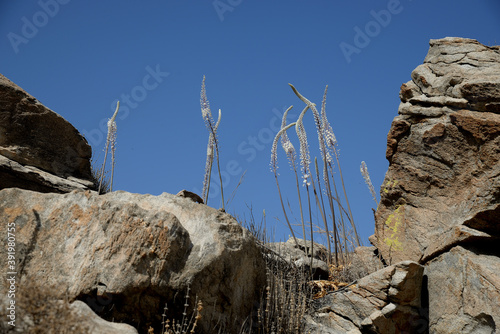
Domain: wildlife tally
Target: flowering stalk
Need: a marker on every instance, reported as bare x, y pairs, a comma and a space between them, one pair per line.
213, 144
326, 157
274, 167
364, 171
110, 139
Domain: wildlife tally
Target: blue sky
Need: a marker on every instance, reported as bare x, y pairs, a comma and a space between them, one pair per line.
78, 58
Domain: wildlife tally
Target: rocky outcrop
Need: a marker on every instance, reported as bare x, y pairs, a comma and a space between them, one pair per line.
440, 200
126, 255
387, 301
443, 182
39, 150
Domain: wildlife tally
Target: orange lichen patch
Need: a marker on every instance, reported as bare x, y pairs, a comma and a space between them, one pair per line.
80, 216
54, 215
13, 213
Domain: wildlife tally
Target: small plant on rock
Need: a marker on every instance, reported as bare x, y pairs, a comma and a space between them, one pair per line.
213, 144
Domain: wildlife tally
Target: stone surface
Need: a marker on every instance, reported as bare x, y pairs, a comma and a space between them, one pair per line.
97, 325
443, 183
125, 254
298, 257
386, 301
467, 281
15, 175
365, 261
34, 136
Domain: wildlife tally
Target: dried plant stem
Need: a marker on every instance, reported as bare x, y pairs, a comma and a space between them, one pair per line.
312, 233
216, 144
323, 214
356, 235
342, 224
103, 167
300, 205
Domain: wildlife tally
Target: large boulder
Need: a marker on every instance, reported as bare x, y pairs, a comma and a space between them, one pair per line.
39, 149
126, 255
443, 182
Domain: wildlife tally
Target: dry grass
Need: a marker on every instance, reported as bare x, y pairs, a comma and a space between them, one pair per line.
99, 179
186, 325
40, 311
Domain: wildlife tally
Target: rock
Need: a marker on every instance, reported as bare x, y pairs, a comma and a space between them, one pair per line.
443, 183
467, 281
36, 138
15, 175
386, 301
126, 255
364, 262
299, 256
188, 194
97, 325
38, 310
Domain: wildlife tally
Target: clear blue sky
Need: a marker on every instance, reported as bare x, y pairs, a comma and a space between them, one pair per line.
79, 57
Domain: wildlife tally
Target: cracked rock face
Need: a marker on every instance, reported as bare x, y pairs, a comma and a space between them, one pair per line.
443, 182
440, 200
